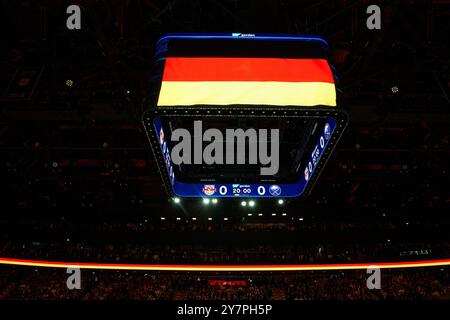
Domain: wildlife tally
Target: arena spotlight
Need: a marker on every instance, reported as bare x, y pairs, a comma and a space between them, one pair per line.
176, 200
280, 201
69, 83
214, 201
394, 89
206, 201
251, 203
244, 203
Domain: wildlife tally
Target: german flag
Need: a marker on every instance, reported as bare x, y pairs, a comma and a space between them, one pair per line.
246, 72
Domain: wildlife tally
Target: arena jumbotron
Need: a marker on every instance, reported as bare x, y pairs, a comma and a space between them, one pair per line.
291, 150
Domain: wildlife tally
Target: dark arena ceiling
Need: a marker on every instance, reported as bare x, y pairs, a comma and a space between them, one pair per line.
72, 144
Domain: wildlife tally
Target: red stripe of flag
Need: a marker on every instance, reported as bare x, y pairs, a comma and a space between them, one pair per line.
247, 69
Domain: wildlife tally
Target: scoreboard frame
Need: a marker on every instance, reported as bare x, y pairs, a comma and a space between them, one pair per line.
336, 113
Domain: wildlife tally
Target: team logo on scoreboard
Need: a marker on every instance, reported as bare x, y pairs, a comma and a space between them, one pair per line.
327, 131
306, 174
209, 189
171, 175
161, 136
275, 190
168, 160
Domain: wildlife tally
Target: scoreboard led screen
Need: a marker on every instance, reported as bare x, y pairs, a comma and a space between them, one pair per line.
277, 92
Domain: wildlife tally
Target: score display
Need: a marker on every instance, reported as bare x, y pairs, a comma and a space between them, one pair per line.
246, 190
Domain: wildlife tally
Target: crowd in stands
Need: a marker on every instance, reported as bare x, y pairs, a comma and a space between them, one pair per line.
224, 254
188, 224
30, 283
50, 284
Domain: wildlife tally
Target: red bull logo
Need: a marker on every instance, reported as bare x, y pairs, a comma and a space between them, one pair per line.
209, 189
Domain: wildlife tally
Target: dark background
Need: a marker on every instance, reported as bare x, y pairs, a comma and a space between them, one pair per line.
74, 160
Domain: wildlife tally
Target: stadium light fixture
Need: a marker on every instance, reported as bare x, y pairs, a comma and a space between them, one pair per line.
274, 214
244, 203
284, 214
206, 201
250, 214
214, 201
251, 203
176, 200
260, 214
280, 201
394, 89
209, 219
300, 219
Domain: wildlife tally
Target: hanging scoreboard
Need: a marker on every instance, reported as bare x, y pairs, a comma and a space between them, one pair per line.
242, 115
